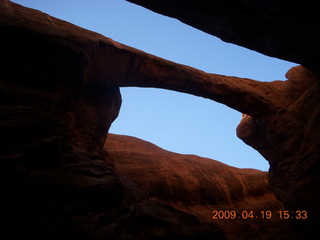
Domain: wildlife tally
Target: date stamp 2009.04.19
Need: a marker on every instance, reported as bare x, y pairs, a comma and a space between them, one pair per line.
267, 214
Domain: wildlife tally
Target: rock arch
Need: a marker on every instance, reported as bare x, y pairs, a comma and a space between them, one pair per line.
283, 124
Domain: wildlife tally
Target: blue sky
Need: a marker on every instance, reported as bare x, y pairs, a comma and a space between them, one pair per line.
174, 121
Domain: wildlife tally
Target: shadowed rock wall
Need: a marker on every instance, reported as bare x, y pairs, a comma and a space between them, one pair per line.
53, 126
277, 28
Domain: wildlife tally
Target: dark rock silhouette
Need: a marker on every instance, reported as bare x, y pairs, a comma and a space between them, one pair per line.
276, 28
59, 95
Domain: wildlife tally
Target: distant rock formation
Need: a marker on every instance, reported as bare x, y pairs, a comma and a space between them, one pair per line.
199, 186
60, 94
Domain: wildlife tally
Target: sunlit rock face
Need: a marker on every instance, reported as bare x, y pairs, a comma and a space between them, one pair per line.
289, 140
200, 187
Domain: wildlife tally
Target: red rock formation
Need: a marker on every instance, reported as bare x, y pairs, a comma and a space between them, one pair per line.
200, 186
289, 141
59, 92
285, 134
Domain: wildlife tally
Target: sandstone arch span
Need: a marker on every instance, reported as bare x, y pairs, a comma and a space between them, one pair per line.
69, 100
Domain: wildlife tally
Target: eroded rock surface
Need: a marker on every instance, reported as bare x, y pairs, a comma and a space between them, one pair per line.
200, 186
289, 140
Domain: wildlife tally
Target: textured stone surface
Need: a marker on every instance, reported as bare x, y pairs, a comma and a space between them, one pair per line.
278, 28
289, 140
199, 186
